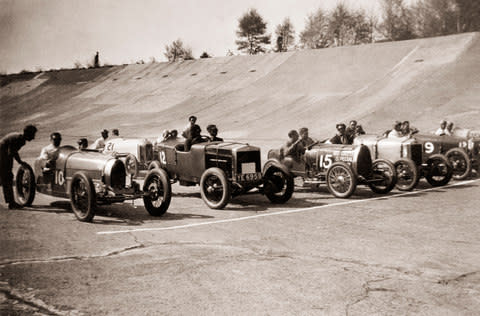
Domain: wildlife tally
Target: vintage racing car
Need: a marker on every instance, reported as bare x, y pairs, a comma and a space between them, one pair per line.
341, 167
462, 152
88, 178
410, 163
223, 170
139, 148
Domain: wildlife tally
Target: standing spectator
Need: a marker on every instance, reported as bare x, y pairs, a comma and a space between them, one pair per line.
187, 132
96, 61
9, 147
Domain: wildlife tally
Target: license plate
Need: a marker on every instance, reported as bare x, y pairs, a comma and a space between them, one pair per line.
248, 167
249, 177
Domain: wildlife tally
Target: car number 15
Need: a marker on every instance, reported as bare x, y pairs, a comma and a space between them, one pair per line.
325, 161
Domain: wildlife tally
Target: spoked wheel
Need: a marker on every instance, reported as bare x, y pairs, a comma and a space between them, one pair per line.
439, 170
341, 180
158, 192
82, 197
461, 163
384, 170
25, 185
407, 174
215, 188
278, 186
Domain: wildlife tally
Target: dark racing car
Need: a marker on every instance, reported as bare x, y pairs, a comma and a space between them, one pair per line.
223, 170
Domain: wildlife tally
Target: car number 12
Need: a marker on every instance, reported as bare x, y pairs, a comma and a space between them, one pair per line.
163, 159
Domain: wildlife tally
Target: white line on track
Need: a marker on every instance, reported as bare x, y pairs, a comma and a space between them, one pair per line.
244, 218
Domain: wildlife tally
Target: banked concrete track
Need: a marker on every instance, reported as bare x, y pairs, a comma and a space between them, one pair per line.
259, 97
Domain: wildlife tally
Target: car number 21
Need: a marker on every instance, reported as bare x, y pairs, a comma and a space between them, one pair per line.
325, 161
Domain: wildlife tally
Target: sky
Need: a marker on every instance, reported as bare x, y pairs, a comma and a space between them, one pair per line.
51, 34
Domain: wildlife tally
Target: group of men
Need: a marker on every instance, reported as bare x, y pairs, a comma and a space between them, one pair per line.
446, 128
297, 144
401, 129
345, 135
192, 133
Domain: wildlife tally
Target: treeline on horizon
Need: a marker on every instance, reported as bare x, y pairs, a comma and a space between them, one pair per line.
342, 26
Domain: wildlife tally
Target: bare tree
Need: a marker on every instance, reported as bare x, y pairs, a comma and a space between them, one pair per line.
285, 35
177, 51
316, 33
468, 15
252, 33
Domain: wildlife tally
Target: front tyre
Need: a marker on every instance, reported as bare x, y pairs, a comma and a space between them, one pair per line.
384, 170
407, 174
439, 170
278, 186
341, 180
215, 188
25, 185
461, 163
82, 197
157, 192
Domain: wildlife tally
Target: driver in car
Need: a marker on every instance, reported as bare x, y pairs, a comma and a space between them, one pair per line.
49, 154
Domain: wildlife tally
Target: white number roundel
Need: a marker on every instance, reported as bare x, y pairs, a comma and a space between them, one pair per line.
429, 148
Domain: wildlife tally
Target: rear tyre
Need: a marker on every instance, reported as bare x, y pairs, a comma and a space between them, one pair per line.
25, 185
158, 192
215, 188
407, 174
154, 164
386, 170
439, 170
461, 163
278, 186
341, 180
82, 197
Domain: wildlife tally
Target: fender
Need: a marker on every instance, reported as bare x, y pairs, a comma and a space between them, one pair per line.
154, 164
275, 163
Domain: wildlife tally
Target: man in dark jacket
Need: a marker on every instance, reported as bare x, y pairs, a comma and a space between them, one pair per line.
340, 137
9, 147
